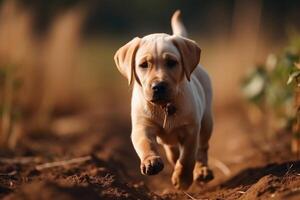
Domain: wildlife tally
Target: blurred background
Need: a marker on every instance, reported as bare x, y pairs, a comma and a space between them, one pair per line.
57, 72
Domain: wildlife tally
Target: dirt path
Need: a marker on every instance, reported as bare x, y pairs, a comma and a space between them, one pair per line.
242, 171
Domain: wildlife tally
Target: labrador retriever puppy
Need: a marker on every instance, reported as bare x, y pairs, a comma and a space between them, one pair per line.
171, 103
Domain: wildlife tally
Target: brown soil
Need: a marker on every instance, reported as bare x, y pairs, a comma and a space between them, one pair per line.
112, 172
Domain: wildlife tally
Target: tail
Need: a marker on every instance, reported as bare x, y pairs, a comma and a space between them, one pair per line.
177, 25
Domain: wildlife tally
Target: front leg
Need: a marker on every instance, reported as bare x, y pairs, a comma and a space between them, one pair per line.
144, 141
182, 176
172, 153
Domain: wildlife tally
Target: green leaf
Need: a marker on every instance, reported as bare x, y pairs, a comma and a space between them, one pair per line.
293, 76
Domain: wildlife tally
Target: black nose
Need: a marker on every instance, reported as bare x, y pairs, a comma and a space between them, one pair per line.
159, 87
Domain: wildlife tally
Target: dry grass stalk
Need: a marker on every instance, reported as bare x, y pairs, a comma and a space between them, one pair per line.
7, 108
63, 163
221, 166
295, 143
190, 196
45, 65
15, 135
15, 26
20, 160
9, 174
59, 53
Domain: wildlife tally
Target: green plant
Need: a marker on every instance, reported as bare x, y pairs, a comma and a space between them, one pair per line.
295, 78
265, 86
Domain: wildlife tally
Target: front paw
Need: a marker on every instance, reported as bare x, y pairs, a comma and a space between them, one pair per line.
181, 179
152, 165
202, 174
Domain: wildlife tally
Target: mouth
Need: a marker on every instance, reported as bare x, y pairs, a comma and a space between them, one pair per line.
167, 106
159, 101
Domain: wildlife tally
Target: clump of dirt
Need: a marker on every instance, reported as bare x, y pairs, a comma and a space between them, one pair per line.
267, 185
265, 182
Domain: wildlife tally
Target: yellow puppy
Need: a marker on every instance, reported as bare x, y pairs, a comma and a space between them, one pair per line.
171, 103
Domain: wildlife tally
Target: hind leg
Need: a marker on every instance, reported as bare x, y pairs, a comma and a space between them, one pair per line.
182, 176
202, 173
172, 153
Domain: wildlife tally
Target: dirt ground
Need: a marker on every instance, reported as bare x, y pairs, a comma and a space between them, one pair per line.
96, 160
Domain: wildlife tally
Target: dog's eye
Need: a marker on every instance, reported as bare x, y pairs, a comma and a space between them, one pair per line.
171, 63
144, 64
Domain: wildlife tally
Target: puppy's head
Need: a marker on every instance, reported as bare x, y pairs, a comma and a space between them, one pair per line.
158, 63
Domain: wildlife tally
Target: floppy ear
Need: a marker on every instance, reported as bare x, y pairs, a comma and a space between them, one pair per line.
189, 52
125, 58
